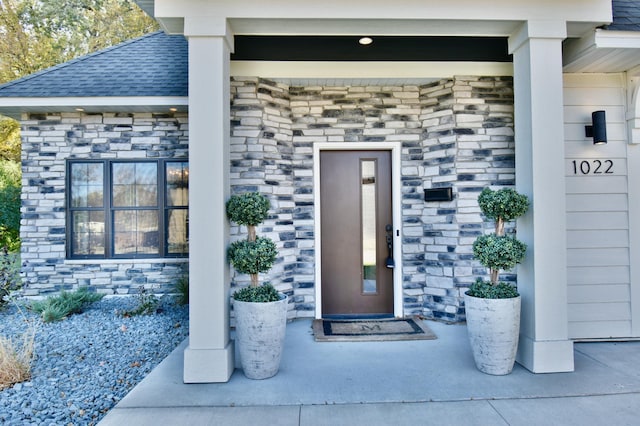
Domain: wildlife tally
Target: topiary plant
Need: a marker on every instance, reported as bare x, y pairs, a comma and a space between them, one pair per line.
255, 254
499, 251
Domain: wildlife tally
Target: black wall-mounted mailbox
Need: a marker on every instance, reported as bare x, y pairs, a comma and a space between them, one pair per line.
438, 194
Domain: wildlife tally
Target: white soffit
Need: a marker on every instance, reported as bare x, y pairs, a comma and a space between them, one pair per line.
14, 107
602, 51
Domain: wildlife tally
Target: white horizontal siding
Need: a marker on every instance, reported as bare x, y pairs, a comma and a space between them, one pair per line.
598, 273
600, 329
584, 275
597, 202
614, 293
596, 185
600, 311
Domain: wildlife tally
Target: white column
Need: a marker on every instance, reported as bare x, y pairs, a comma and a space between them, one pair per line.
633, 175
210, 354
542, 277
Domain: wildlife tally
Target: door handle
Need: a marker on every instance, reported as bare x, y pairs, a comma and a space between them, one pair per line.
390, 263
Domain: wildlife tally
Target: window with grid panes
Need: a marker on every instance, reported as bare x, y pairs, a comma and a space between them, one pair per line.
127, 209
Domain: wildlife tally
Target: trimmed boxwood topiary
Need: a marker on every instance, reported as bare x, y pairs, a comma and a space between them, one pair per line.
498, 251
263, 293
253, 257
255, 254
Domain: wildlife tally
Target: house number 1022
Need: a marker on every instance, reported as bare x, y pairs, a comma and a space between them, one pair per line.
592, 167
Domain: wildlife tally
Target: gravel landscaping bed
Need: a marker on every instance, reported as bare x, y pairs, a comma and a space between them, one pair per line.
85, 364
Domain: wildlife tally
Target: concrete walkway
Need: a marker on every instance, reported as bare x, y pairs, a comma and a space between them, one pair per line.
393, 383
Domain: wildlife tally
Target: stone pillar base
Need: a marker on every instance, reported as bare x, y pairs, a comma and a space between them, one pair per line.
209, 365
553, 356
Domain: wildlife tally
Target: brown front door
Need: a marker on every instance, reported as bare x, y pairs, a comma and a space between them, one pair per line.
355, 198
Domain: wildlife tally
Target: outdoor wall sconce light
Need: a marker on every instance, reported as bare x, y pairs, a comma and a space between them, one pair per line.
598, 129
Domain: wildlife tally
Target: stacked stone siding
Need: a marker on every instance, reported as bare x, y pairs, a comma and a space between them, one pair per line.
455, 132
47, 142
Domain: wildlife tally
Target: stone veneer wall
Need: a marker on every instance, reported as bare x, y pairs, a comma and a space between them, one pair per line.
47, 141
455, 132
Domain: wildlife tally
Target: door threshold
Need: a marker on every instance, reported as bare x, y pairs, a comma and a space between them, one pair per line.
357, 316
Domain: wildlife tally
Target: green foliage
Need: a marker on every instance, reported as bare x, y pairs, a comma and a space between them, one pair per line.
182, 288
10, 189
9, 140
255, 254
23, 49
486, 290
36, 34
9, 275
252, 257
249, 208
499, 252
55, 308
504, 203
261, 294
148, 304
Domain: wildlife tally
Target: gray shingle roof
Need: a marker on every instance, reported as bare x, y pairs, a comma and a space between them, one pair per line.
155, 64
626, 15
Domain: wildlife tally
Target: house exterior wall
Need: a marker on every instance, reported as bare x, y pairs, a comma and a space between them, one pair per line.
48, 140
454, 132
599, 239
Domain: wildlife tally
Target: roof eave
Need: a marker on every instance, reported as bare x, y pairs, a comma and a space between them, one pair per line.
14, 107
602, 51
147, 5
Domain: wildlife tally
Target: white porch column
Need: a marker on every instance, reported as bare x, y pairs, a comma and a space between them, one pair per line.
539, 131
210, 354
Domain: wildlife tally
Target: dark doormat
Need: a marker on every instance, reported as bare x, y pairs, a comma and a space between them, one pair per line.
325, 330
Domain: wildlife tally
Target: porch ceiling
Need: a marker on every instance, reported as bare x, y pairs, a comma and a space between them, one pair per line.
383, 48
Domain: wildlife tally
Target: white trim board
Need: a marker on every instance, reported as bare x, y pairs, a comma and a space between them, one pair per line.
395, 148
371, 70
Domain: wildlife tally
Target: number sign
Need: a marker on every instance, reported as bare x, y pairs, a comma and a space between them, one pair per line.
592, 167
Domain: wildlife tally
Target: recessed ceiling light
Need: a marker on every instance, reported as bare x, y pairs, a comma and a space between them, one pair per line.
173, 109
80, 109
365, 41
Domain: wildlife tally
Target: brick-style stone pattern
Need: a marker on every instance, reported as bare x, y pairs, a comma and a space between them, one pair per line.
47, 142
455, 132
468, 144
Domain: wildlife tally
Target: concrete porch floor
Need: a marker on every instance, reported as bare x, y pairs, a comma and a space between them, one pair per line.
399, 383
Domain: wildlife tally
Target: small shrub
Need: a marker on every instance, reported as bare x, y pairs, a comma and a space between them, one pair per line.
499, 252
255, 254
55, 308
15, 360
182, 288
249, 208
504, 204
9, 275
263, 293
10, 189
148, 304
252, 257
486, 290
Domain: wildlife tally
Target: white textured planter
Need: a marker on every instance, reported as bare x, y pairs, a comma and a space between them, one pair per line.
260, 332
493, 326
